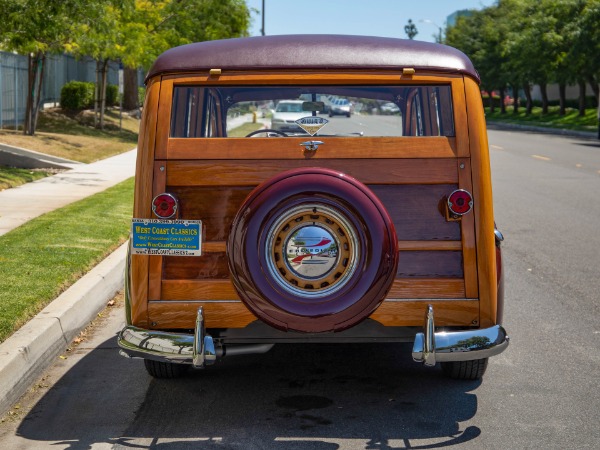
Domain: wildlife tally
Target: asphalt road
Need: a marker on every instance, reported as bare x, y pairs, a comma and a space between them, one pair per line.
543, 392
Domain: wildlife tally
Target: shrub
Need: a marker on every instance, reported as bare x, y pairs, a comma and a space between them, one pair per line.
112, 95
141, 95
77, 95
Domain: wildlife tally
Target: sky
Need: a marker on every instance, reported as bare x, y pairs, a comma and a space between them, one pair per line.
385, 18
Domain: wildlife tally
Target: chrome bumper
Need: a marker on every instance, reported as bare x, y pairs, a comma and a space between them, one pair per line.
198, 349
431, 347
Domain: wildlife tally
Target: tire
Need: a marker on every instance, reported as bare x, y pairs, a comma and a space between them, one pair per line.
312, 250
158, 369
465, 370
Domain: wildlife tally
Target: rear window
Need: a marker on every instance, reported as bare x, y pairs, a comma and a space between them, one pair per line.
207, 111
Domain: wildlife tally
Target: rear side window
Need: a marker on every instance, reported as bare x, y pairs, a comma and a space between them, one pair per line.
208, 111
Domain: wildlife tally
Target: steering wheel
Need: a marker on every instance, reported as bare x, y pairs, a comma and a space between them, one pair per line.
269, 132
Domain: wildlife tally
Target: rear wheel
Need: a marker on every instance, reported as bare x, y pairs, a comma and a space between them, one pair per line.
159, 369
465, 370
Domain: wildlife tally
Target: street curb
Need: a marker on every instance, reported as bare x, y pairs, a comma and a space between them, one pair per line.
28, 159
29, 352
497, 125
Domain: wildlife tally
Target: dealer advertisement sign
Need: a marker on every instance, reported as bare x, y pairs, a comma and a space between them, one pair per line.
166, 237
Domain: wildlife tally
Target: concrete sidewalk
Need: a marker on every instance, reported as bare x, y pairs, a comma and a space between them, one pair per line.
30, 200
26, 354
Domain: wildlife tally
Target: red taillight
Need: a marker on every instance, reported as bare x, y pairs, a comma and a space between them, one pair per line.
164, 206
460, 202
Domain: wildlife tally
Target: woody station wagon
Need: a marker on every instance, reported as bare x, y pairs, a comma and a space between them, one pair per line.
255, 226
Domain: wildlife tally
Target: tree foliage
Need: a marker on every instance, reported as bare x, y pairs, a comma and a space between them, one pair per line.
518, 43
132, 32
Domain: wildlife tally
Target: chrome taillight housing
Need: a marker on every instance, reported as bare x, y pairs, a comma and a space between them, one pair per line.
460, 202
165, 206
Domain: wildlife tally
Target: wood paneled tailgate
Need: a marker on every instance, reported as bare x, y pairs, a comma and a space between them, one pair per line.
434, 263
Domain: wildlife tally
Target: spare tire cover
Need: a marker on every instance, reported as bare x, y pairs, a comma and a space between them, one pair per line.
312, 250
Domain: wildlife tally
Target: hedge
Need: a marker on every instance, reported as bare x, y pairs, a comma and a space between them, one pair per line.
78, 95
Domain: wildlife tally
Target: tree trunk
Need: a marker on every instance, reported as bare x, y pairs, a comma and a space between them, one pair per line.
544, 93
502, 92
35, 74
581, 97
130, 89
515, 91
562, 87
491, 101
97, 93
103, 92
595, 88
527, 90
38, 100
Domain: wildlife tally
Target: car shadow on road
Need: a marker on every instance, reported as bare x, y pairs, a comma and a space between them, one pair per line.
297, 396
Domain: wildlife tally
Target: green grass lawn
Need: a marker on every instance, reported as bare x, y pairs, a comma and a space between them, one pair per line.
43, 257
74, 137
11, 177
571, 120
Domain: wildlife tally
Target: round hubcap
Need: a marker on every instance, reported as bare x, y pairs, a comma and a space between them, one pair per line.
312, 251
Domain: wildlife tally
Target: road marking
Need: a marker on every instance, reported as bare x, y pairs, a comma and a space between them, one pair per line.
543, 158
496, 147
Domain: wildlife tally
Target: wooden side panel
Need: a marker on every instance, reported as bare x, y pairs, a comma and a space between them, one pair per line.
182, 315
142, 200
483, 209
468, 232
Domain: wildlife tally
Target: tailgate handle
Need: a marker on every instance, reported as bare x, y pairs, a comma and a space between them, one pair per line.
312, 146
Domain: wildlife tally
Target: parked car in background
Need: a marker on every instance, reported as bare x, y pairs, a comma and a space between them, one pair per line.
285, 115
371, 229
340, 107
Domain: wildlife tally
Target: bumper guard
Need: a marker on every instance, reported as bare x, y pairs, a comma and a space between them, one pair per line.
431, 347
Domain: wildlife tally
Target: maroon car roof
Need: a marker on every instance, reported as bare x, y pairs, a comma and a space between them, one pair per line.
312, 51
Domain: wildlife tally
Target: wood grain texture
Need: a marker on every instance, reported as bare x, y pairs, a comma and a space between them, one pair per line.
416, 211
141, 204
416, 264
290, 148
447, 313
252, 173
182, 314
484, 212
467, 227
402, 288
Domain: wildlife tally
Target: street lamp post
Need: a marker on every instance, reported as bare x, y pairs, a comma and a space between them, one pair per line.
439, 37
262, 30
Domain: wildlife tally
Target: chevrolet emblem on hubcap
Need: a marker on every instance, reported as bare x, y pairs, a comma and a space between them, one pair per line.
313, 251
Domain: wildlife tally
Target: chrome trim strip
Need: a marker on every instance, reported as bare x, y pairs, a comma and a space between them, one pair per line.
431, 347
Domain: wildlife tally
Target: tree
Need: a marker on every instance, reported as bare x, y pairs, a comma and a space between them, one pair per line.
411, 29
99, 37
37, 28
149, 28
